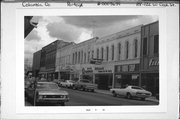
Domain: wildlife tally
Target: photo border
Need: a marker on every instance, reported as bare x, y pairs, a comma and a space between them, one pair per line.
20, 106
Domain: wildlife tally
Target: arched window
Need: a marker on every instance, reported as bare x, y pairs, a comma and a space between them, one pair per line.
102, 53
107, 53
135, 48
127, 49
119, 50
98, 53
112, 47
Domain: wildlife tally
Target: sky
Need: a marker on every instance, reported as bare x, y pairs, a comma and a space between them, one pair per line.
77, 29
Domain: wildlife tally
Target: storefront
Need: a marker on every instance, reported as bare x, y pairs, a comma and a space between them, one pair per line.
87, 73
149, 62
103, 76
126, 74
150, 75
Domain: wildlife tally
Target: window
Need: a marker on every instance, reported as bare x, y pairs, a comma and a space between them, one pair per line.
135, 47
145, 46
84, 57
102, 53
92, 54
156, 44
107, 53
75, 57
97, 53
127, 49
79, 57
88, 56
112, 52
119, 50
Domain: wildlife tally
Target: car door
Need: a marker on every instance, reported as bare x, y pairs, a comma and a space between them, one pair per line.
121, 91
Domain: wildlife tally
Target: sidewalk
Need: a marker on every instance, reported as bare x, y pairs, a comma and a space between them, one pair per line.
107, 92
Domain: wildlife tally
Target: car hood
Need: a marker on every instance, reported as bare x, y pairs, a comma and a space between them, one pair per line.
52, 92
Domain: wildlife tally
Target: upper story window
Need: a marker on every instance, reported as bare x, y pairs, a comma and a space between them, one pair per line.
135, 47
107, 53
119, 50
81, 56
127, 49
145, 46
73, 58
84, 57
112, 52
92, 54
102, 53
88, 56
156, 44
98, 53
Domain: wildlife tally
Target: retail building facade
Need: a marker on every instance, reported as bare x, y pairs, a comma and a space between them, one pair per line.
149, 66
48, 60
64, 61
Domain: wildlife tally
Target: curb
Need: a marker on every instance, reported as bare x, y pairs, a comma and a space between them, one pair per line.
108, 93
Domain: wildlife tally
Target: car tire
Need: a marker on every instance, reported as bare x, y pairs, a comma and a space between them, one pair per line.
128, 96
62, 103
143, 99
114, 94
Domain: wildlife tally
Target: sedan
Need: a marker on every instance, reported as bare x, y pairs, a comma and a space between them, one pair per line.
131, 91
46, 92
67, 83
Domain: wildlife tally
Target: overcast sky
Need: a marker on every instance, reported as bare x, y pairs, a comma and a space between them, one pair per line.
77, 29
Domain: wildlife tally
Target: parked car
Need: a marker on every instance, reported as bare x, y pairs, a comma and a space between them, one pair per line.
57, 81
131, 91
85, 85
46, 92
67, 83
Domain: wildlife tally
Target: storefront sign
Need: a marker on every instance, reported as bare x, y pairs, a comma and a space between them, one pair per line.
87, 70
154, 62
102, 70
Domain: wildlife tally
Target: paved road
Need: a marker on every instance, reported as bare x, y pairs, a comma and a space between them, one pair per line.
82, 98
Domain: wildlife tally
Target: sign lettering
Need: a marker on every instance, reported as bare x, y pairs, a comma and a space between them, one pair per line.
154, 62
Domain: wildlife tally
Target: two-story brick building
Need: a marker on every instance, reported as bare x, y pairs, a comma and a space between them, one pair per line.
149, 62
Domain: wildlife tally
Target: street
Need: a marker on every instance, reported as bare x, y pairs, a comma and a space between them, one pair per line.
82, 98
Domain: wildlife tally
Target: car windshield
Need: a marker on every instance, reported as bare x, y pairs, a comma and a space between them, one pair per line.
47, 85
135, 87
